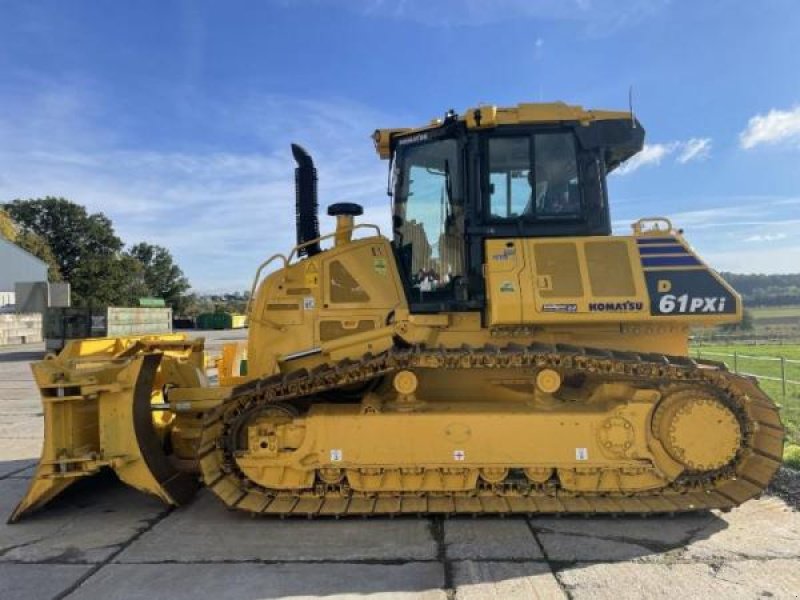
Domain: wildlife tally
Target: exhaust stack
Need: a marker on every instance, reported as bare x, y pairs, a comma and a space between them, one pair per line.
306, 203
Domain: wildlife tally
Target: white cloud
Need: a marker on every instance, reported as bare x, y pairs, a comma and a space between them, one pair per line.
765, 237
774, 127
651, 154
694, 149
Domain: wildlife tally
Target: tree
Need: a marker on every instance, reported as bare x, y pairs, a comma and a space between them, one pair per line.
195, 305
117, 281
87, 251
8, 229
162, 277
766, 290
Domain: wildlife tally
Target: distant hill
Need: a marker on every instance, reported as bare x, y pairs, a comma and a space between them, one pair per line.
766, 290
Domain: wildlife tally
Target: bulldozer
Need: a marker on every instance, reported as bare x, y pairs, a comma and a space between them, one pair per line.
500, 351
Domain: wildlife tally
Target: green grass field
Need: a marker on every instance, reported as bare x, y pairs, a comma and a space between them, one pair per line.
750, 359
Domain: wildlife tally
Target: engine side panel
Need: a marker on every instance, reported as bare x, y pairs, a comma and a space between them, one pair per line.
348, 290
621, 279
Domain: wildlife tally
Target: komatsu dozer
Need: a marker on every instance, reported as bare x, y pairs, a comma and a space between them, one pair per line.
500, 351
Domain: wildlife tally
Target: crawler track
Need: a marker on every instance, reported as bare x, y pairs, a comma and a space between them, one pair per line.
743, 478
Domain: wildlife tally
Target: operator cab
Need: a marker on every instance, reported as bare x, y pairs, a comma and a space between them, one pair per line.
457, 184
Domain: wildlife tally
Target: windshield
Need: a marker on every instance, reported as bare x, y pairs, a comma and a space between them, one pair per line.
533, 176
429, 204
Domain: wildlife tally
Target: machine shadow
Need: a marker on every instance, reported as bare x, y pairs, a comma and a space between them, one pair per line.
22, 356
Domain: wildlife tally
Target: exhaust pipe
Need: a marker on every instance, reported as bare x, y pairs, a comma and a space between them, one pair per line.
306, 203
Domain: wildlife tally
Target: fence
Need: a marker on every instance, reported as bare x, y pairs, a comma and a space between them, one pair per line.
738, 357
778, 375
747, 338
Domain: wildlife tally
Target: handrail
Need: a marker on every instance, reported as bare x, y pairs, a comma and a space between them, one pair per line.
638, 226
257, 278
330, 235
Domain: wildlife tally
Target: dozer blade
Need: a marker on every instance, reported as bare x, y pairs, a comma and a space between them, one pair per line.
98, 413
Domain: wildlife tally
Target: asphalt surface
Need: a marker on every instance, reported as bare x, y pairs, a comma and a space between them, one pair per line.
103, 540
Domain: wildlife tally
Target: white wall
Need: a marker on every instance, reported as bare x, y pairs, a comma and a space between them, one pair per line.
20, 329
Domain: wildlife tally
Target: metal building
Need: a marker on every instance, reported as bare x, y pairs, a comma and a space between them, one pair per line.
18, 265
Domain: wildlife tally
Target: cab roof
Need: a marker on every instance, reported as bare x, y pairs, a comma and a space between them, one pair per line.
489, 116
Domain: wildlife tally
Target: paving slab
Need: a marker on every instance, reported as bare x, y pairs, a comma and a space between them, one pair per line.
488, 538
23, 426
15, 373
25, 473
206, 531
624, 538
12, 468
84, 525
18, 390
24, 582
571, 548
505, 581
633, 581
19, 402
665, 530
264, 582
779, 578
16, 449
765, 528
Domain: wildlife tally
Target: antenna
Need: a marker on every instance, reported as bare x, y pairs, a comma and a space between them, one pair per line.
630, 105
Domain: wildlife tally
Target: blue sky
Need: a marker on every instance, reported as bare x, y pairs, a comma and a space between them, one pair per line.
175, 118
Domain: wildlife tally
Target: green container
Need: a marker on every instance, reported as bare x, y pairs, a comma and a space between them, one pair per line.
215, 320
205, 321
225, 321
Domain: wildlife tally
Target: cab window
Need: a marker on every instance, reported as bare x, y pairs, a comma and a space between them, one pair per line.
556, 175
533, 177
509, 176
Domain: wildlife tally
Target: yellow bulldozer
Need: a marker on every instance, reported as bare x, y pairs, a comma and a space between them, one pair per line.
499, 352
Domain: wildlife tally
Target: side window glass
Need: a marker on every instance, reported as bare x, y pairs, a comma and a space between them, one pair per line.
556, 175
509, 176
431, 206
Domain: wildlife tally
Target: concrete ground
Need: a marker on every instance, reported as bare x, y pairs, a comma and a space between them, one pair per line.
103, 540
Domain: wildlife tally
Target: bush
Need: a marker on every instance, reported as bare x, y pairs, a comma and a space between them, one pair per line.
791, 456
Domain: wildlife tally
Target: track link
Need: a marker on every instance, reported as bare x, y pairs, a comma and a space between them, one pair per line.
744, 478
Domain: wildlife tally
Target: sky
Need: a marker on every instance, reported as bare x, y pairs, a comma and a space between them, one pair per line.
174, 118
